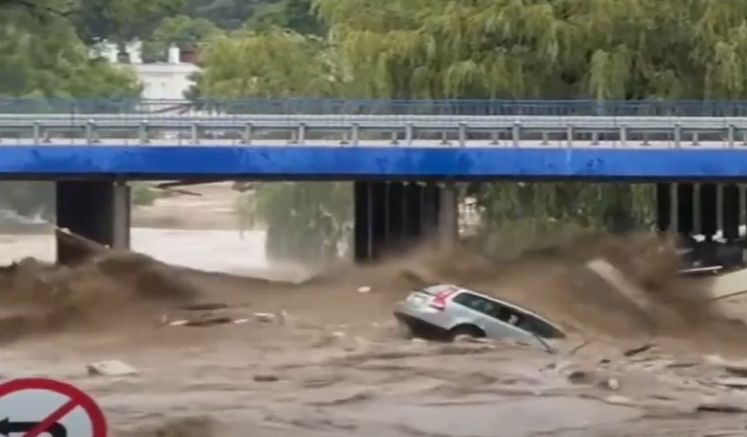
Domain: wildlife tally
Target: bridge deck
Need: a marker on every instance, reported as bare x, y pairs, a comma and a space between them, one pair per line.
344, 163
416, 144
383, 146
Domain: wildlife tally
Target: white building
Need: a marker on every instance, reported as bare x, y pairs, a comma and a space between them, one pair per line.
161, 80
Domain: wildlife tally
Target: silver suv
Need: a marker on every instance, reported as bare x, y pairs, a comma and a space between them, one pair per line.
446, 311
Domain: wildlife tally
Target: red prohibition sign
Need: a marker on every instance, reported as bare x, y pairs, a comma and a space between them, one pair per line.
75, 398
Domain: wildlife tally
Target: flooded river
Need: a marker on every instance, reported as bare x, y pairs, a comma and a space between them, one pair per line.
306, 377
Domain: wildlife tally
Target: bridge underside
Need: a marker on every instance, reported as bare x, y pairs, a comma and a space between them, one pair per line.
394, 216
98, 210
699, 209
389, 216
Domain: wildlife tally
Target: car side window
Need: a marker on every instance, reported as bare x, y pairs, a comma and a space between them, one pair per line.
506, 314
477, 303
528, 322
490, 308
464, 299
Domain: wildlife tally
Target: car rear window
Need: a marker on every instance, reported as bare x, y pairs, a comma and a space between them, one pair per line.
439, 288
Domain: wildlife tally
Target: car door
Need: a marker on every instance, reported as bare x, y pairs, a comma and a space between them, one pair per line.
498, 321
472, 309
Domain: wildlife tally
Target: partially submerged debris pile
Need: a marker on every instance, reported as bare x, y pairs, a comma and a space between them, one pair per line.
652, 380
643, 377
110, 288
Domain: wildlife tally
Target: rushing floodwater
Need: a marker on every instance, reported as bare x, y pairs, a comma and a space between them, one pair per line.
211, 250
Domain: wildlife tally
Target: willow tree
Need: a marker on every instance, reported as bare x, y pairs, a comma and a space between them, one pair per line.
277, 63
505, 49
305, 222
599, 49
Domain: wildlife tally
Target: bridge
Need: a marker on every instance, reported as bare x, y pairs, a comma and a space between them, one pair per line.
696, 152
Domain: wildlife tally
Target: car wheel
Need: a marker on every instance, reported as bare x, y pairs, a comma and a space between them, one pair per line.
465, 332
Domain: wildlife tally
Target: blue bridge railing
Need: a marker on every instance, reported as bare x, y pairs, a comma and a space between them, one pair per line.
701, 108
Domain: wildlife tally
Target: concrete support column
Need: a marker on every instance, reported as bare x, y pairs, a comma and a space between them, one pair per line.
731, 207
448, 225
708, 210
391, 217
95, 210
364, 225
685, 209
664, 207
430, 211
122, 217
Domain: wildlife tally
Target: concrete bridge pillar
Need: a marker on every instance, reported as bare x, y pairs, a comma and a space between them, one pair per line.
95, 209
685, 209
708, 210
690, 209
731, 211
391, 217
675, 208
448, 222
665, 204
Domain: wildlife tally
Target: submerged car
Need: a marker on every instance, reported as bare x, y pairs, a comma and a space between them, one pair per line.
447, 311
710, 258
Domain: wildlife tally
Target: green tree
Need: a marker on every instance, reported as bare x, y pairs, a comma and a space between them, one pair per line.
296, 15
275, 63
305, 222
628, 49
42, 11
226, 14
479, 49
48, 60
183, 31
41, 56
120, 20
514, 215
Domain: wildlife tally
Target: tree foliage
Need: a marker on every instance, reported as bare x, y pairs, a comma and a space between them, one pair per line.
46, 58
425, 49
276, 63
226, 14
627, 49
505, 49
42, 55
296, 15
305, 221
180, 30
120, 20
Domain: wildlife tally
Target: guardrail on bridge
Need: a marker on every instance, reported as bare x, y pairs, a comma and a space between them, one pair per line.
354, 129
527, 107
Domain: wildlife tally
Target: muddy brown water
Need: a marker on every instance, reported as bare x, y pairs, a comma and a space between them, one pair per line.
330, 363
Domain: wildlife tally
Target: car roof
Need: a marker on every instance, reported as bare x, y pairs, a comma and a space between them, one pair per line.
508, 304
